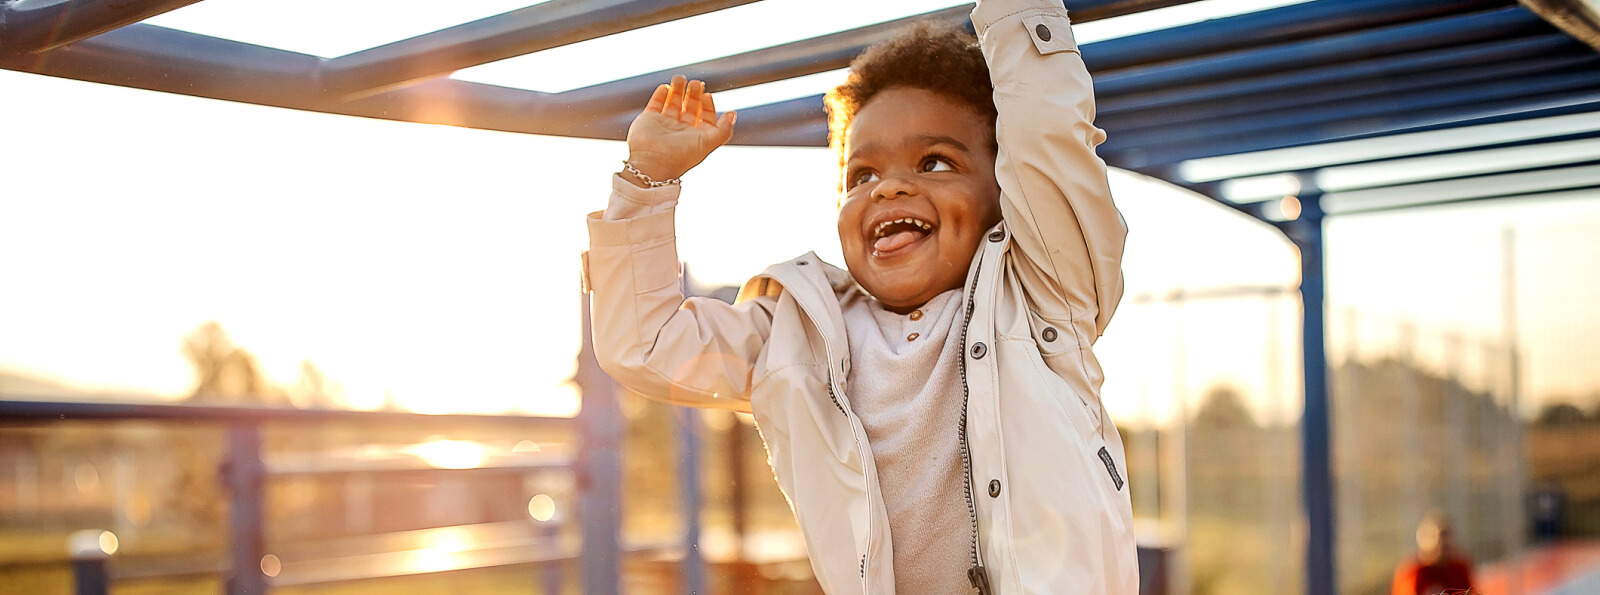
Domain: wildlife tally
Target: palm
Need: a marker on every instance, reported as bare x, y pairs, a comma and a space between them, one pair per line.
677, 129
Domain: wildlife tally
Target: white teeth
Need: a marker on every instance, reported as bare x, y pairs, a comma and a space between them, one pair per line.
911, 220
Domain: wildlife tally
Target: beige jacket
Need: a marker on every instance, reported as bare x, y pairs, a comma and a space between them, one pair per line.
1047, 486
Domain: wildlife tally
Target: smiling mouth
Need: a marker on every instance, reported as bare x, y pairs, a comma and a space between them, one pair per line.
892, 236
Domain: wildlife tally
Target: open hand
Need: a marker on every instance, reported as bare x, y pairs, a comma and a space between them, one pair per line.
677, 130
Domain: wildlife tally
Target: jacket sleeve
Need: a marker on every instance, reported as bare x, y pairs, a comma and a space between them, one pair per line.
696, 351
1067, 236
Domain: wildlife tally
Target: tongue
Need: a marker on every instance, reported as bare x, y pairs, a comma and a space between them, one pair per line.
895, 242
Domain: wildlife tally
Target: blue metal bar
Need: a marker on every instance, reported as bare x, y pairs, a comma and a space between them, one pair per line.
1356, 116
246, 474
31, 27
1514, 21
800, 58
599, 470
1316, 457
527, 30
1508, 110
1465, 83
1574, 191
1364, 71
1267, 27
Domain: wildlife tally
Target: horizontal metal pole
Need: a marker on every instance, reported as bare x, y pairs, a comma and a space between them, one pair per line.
1362, 113
1523, 183
1426, 35
539, 27
800, 58
33, 408
1267, 27
799, 122
160, 59
1314, 101
1396, 66
1156, 157
562, 22
29, 26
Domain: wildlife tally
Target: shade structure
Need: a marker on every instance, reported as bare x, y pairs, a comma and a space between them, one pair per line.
1479, 99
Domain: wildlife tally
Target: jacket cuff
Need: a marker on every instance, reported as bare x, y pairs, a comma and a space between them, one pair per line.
993, 11
647, 229
629, 201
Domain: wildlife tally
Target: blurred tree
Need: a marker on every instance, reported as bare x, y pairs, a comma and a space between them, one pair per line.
1561, 414
315, 389
224, 372
1224, 409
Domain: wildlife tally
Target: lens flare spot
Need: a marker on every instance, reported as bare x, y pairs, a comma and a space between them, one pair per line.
271, 565
542, 507
108, 542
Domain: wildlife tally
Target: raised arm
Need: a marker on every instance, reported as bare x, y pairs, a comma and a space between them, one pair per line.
1067, 235
647, 336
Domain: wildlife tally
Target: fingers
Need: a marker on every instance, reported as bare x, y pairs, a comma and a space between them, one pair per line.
658, 100
675, 97
692, 103
708, 110
725, 127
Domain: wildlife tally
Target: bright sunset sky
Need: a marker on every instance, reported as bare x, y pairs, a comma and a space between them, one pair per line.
440, 264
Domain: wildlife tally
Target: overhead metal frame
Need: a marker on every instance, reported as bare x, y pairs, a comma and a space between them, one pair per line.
1296, 76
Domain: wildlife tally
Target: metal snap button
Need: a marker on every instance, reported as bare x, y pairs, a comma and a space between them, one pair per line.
916, 315
912, 337
994, 488
1049, 334
978, 350
997, 235
1043, 32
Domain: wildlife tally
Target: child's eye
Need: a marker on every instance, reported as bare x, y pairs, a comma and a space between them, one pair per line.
862, 177
933, 164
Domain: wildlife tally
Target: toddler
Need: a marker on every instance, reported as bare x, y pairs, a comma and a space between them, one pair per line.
933, 415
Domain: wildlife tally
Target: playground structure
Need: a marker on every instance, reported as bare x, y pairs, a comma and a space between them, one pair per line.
1284, 115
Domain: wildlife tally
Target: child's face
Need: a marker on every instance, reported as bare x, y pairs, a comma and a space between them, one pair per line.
912, 153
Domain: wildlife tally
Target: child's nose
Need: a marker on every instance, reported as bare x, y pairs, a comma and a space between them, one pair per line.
894, 186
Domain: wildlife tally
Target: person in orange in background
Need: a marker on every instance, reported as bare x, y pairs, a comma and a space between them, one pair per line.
1437, 567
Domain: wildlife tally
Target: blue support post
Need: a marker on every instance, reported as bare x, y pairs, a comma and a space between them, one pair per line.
245, 474
686, 423
1316, 459
599, 469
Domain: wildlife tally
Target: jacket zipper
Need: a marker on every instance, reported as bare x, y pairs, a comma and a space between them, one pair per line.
865, 587
976, 574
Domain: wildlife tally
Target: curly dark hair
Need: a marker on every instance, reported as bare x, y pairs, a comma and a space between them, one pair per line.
929, 55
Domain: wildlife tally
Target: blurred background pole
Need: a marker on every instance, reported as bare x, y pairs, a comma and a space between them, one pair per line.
89, 556
244, 474
1513, 486
599, 469
687, 427
1317, 466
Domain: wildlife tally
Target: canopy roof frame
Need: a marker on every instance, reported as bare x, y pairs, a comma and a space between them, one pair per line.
1318, 74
